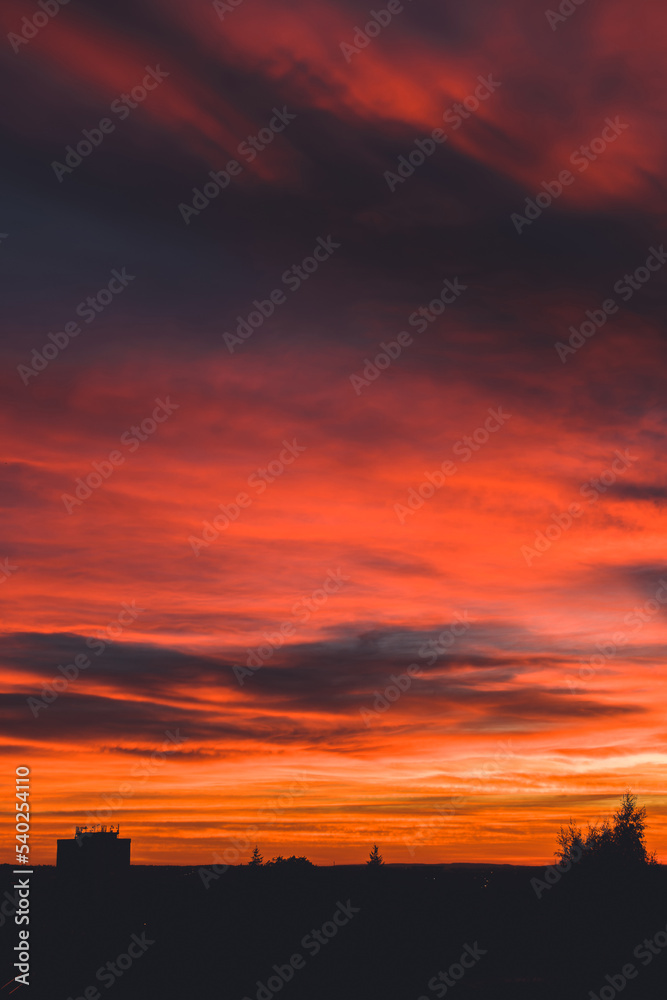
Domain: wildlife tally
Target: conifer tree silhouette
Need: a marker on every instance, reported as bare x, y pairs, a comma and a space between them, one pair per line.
256, 860
375, 858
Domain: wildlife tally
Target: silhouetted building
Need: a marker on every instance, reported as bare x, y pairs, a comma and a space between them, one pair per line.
94, 850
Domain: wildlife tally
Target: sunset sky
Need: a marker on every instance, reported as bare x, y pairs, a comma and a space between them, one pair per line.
546, 699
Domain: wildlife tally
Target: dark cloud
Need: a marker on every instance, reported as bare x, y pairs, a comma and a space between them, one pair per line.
333, 678
640, 491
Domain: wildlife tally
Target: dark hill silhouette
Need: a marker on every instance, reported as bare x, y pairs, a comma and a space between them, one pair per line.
413, 922
394, 932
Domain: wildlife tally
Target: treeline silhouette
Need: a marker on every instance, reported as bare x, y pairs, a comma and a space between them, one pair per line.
391, 931
612, 846
616, 844
294, 863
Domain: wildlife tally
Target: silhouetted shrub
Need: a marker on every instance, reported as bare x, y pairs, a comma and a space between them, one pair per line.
290, 863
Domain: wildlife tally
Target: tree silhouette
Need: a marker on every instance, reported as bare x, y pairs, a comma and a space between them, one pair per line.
619, 843
256, 860
291, 862
629, 833
375, 858
571, 843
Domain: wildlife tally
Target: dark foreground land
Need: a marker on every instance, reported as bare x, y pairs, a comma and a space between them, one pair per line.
384, 934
